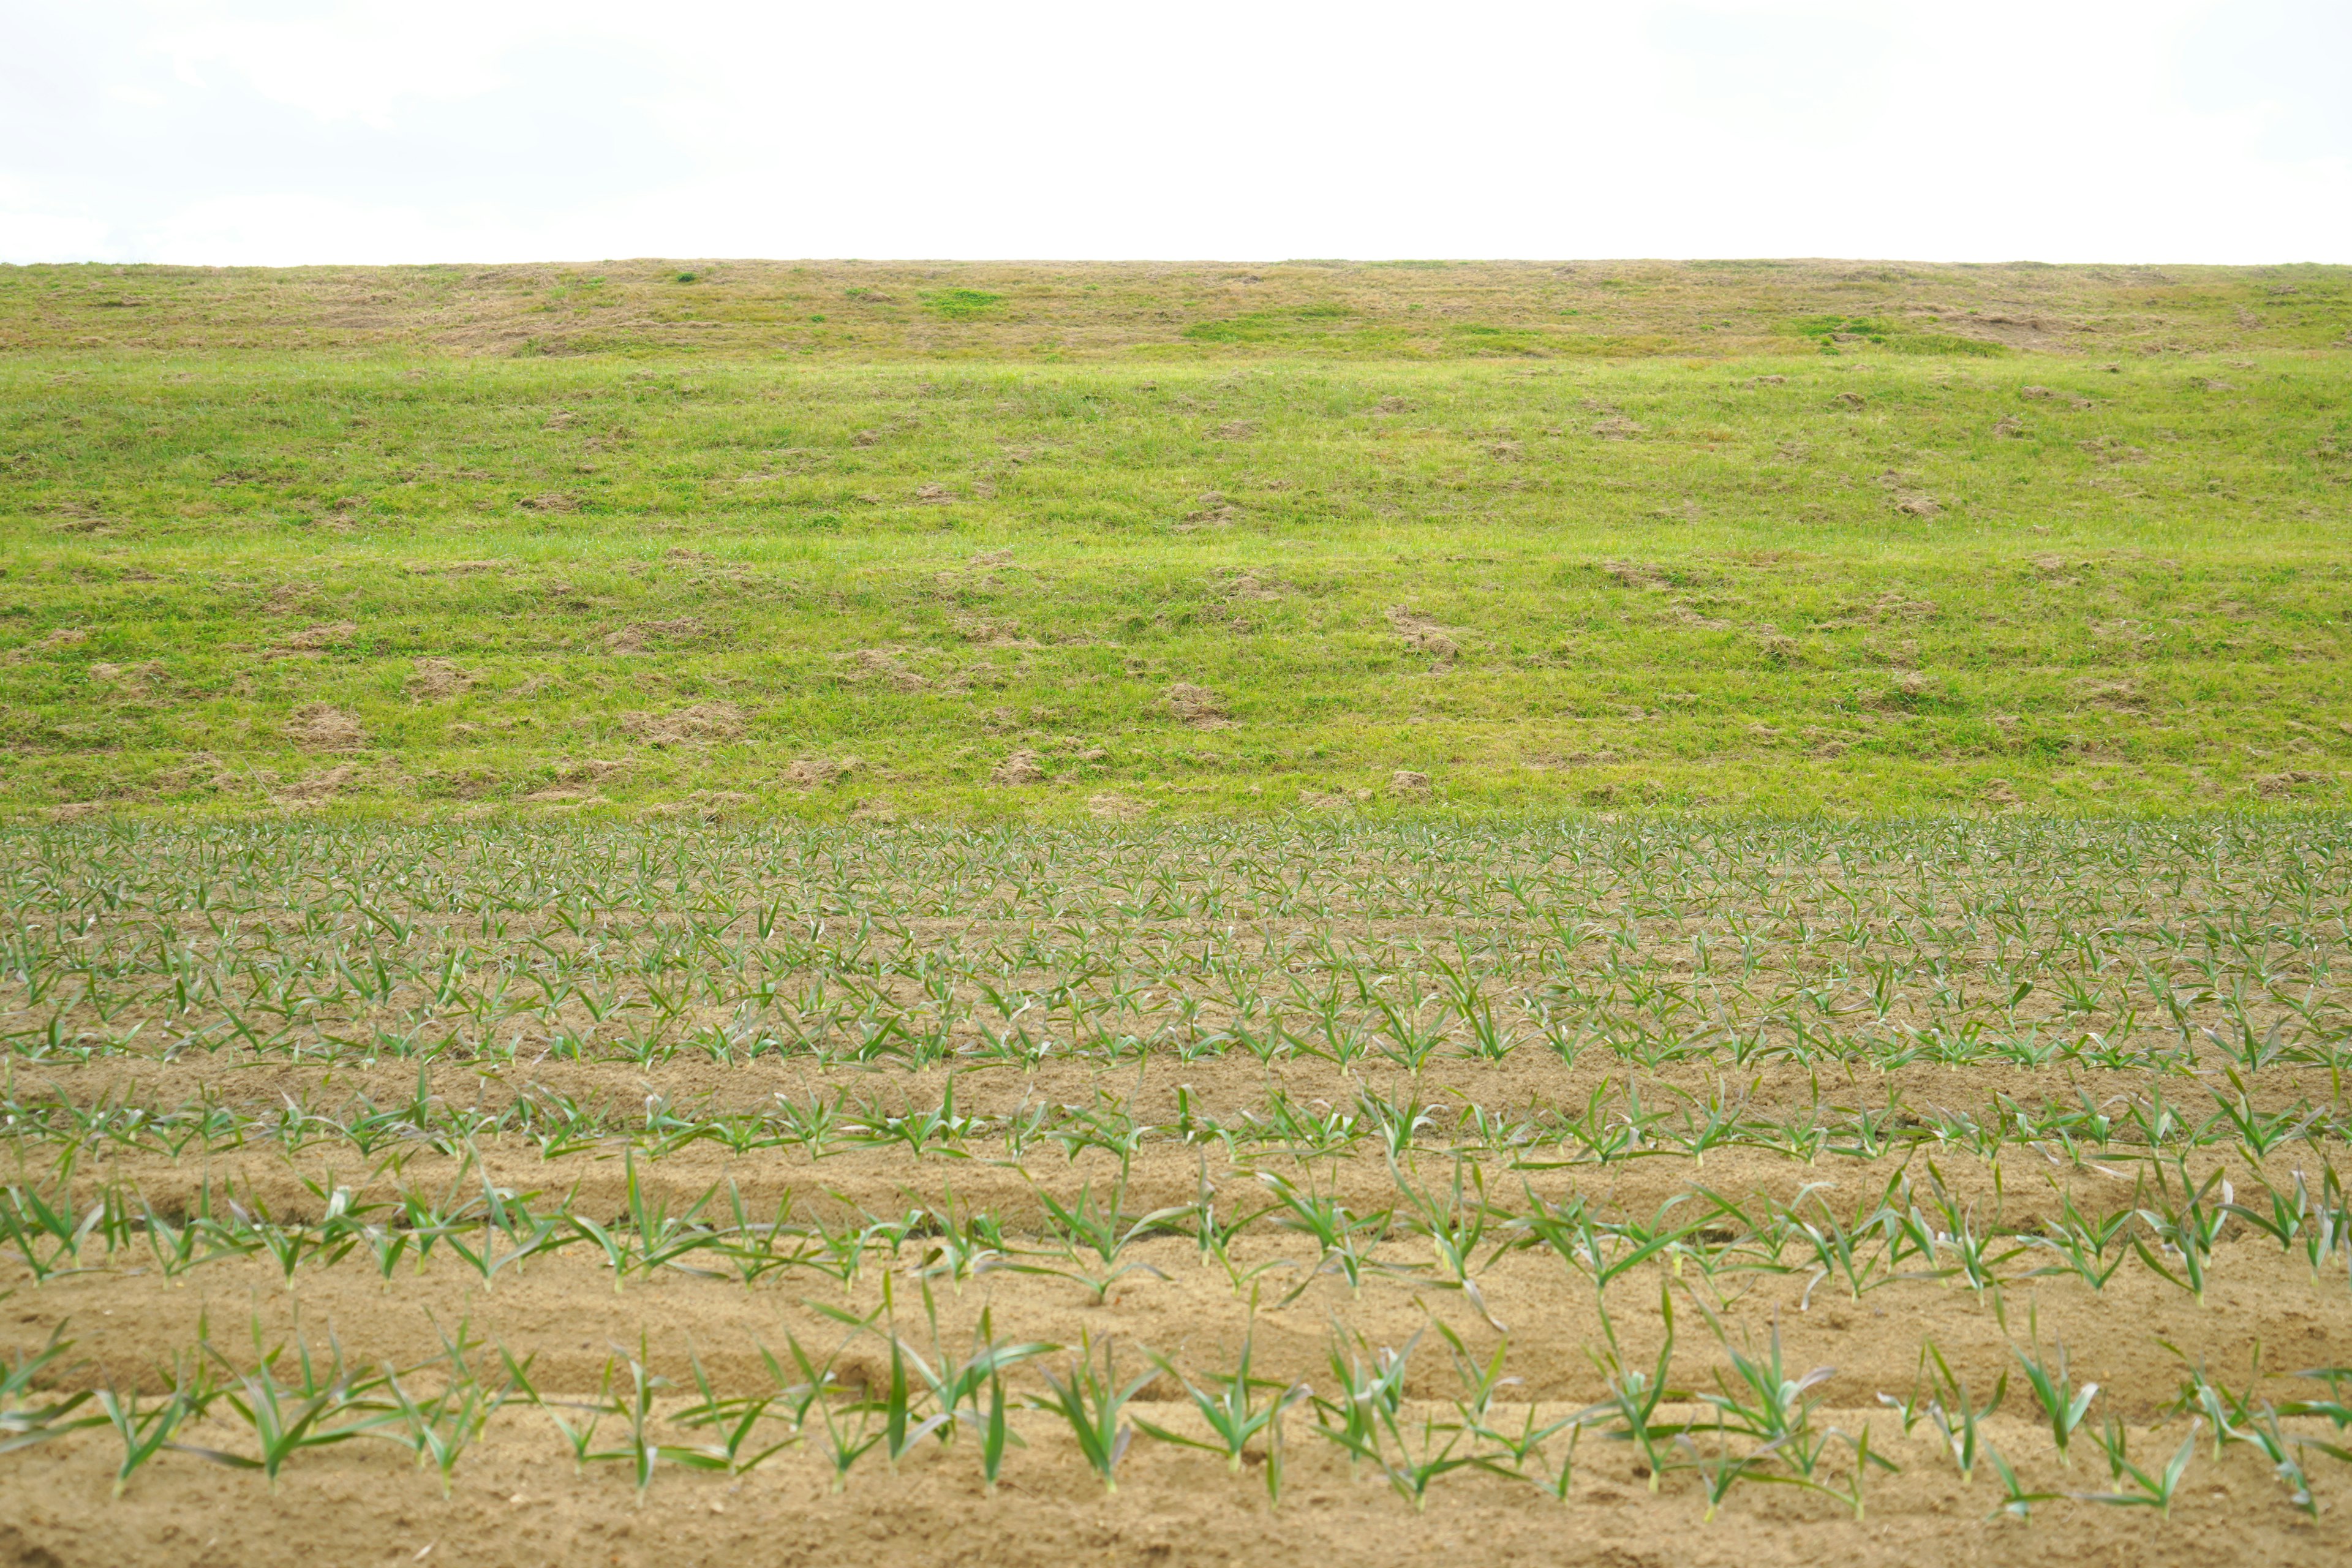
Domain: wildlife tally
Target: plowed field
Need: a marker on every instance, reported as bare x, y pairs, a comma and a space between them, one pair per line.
1631, 1193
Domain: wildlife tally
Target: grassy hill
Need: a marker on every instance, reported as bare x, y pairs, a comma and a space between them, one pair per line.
999, 540
1025, 311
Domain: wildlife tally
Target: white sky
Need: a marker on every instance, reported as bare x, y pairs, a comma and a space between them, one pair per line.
279, 132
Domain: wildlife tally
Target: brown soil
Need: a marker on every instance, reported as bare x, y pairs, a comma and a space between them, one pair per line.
517, 1502
518, 1499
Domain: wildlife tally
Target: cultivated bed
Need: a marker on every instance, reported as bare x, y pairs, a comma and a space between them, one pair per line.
1610, 1192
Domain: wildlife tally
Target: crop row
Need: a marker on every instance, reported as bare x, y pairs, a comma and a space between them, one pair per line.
1759, 1422
1615, 1121
2173, 1224
1412, 1036
1272, 997
2031, 876
2130, 947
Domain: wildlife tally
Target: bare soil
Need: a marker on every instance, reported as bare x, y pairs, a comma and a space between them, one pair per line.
518, 1499
966, 1238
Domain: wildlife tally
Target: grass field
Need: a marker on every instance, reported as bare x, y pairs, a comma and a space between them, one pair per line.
1824, 570
1618, 915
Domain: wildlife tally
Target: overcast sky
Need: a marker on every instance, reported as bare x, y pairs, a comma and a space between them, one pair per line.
280, 132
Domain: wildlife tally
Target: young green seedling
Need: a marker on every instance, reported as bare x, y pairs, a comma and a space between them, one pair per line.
2063, 1405
1234, 1414
1092, 1404
2147, 1488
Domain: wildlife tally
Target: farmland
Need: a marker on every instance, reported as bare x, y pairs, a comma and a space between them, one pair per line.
1621, 939
1419, 1139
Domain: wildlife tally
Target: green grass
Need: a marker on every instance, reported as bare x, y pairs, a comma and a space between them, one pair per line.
862, 312
1857, 572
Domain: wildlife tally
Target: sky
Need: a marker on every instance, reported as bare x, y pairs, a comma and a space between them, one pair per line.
277, 133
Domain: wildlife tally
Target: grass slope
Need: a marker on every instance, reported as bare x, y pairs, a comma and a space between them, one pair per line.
1228, 566
864, 311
